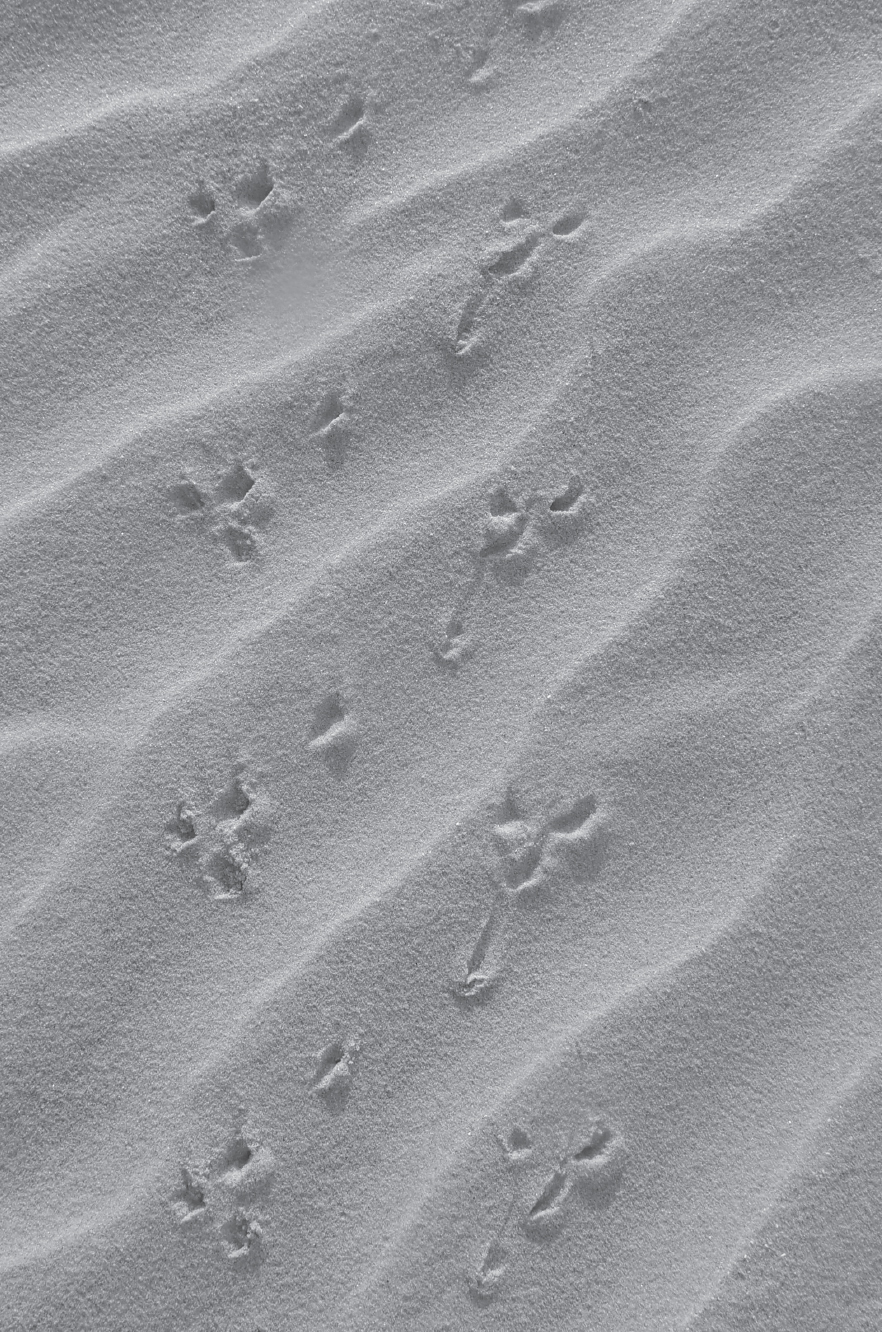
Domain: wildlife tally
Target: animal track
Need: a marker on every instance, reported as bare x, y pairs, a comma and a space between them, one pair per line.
592, 1170
533, 854
510, 543
235, 508
256, 212
334, 733
224, 840
350, 127
226, 1193
332, 1079
515, 529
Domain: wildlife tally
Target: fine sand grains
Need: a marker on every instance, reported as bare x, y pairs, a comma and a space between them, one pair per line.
440, 715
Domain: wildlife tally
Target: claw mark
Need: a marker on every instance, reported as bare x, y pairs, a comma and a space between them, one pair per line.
467, 336
330, 424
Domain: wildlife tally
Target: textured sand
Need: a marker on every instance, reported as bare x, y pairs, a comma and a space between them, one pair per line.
441, 536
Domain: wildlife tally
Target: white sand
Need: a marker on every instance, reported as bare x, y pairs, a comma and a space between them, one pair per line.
442, 547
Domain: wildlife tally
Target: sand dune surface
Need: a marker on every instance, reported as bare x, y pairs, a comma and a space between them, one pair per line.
442, 547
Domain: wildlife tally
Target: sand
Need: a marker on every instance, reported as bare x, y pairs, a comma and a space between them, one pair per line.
440, 672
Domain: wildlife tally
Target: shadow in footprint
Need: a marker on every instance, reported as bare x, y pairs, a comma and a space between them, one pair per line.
255, 186
545, 1217
202, 204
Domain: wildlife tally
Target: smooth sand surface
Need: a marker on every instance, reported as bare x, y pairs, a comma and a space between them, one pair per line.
441, 535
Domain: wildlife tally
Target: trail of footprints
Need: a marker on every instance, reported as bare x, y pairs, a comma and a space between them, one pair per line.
220, 843
227, 1194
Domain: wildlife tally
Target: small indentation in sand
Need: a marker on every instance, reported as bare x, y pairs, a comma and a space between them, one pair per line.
568, 223
235, 484
514, 211
187, 497
539, 17
255, 186
203, 204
